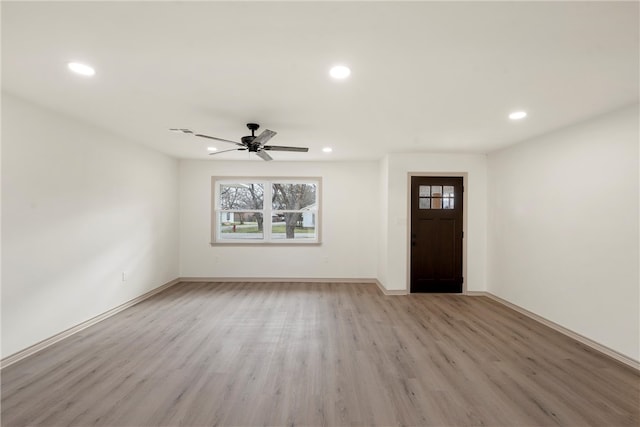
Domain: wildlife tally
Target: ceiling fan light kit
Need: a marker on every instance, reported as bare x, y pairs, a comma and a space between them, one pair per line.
251, 143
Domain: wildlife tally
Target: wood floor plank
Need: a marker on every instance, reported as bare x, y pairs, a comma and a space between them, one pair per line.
317, 354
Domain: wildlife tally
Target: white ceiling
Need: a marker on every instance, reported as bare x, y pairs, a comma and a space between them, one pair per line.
426, 76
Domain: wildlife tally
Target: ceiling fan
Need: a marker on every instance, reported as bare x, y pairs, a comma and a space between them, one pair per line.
252, 143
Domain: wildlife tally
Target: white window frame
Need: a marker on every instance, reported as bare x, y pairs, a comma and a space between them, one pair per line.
267, 210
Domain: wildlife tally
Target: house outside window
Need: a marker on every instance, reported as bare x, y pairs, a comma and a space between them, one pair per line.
265, 210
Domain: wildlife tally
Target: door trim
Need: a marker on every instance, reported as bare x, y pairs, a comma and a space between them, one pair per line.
465, 203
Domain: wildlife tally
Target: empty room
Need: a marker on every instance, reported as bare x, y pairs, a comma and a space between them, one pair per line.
320, 213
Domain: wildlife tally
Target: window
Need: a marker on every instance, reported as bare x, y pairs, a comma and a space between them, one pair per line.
266, 210
436, 197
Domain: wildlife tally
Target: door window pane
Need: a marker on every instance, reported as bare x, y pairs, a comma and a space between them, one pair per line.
447, 203
425, 191
436, 203
448, 191
436, 191
424, 203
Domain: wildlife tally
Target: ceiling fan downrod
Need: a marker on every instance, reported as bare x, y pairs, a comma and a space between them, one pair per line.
253, 127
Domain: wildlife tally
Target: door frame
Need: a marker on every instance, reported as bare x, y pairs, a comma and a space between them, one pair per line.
465, 203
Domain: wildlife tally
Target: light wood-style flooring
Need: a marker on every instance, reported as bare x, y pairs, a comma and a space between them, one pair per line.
311, 354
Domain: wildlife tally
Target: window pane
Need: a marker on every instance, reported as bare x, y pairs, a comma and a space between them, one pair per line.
241, 196
436, 191
293, 225
241, 225
436, 203
448, 191
425, 203
425, 191
294, 196
447, 203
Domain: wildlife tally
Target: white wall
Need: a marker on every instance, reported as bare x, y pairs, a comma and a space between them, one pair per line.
383, 189
399, 166
79, 207
350, 223
563, 228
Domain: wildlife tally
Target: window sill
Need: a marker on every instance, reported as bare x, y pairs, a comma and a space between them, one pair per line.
245, 243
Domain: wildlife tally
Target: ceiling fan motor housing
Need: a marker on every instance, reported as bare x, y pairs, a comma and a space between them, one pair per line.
248, 142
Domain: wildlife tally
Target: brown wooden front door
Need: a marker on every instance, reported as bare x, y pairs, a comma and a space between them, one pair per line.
436, 234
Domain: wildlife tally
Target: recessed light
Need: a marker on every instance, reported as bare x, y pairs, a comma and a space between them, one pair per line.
518, 115
81, 69
327, 149
340, 72
212, 149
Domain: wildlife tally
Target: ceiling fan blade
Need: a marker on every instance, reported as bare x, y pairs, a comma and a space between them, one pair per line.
217, 139
264, 136
281, 148
225, 151
264, 156
181, 130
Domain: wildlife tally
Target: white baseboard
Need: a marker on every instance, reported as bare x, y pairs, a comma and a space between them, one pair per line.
477, 293
9, 360
568, 332
390, 292
277, 279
